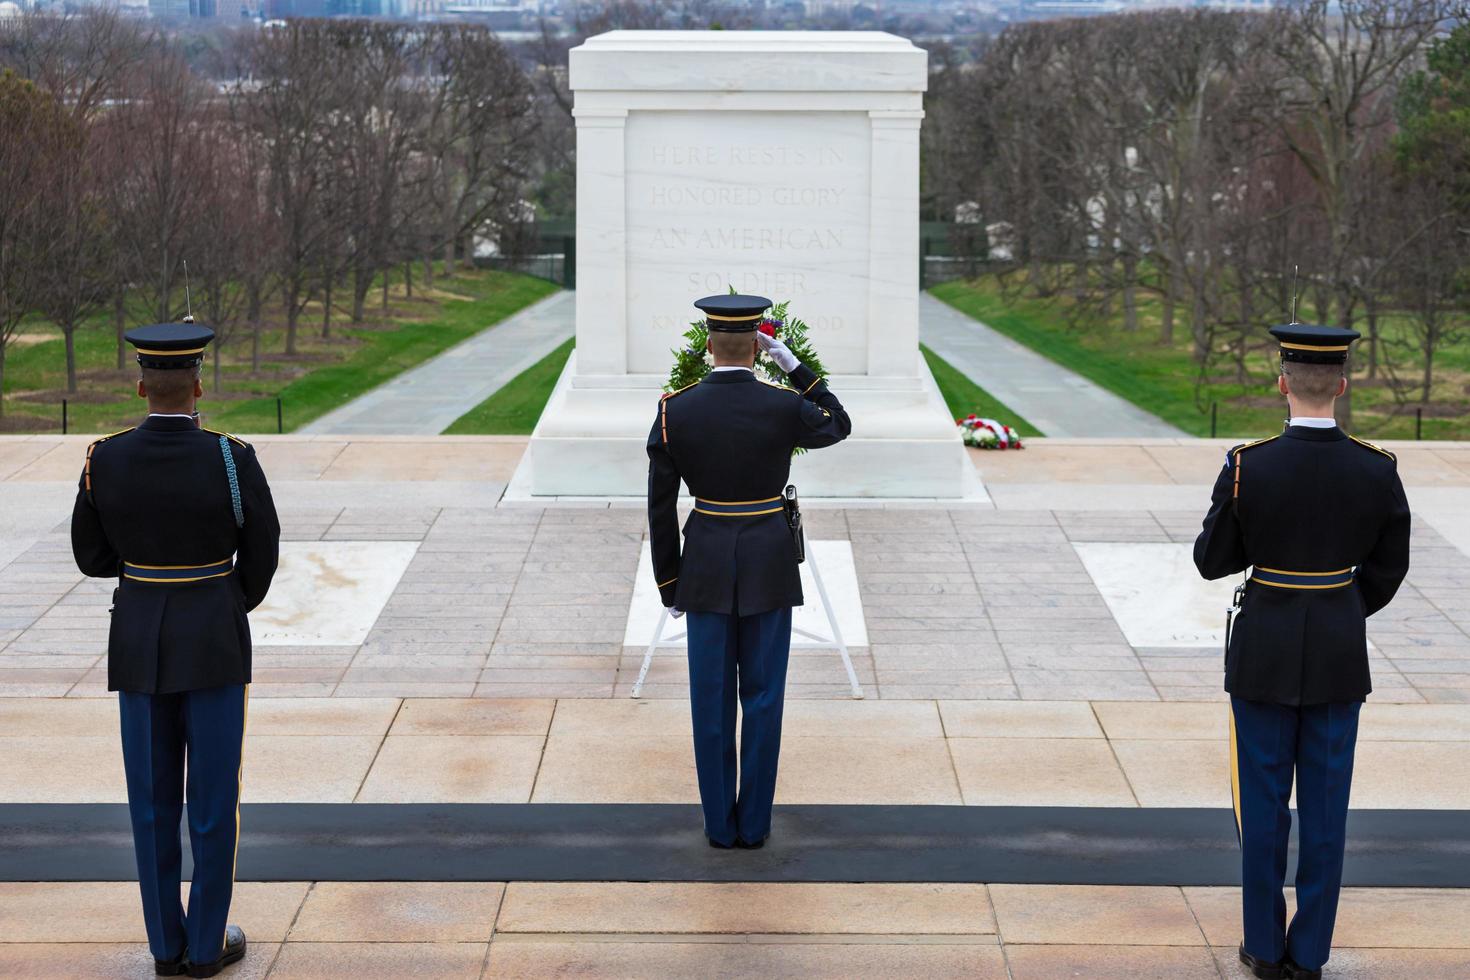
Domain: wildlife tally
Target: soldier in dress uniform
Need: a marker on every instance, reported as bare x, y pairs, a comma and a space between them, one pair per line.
730, 438
1320, 519
182, 517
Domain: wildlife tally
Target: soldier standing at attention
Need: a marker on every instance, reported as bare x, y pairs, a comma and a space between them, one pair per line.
1321, 520
182, 517
730, 438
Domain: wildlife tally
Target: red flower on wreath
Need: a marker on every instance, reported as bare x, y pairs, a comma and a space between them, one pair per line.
768, 327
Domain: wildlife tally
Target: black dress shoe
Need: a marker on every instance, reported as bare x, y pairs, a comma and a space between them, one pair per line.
750, 847
175, 967
1263, 969
1300, 973
233, 952
717, 845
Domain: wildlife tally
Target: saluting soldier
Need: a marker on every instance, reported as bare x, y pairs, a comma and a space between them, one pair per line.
182, 517
730, 438
1320, 519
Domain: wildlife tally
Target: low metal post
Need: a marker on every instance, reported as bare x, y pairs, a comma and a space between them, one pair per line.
1214, 418
1418, 424
63, 416
280, 427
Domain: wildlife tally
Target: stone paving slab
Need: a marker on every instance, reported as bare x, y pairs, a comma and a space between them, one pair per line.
375, 930
600, 750
530, 601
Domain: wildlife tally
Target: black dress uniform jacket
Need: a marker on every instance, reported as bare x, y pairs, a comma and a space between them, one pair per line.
1310, 500
730, 438
159, 495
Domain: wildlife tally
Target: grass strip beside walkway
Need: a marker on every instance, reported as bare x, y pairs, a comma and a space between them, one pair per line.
324, 374
1159, 380
514, 409
964, 396
386, 354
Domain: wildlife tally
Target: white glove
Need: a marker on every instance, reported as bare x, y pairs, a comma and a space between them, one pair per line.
778, 352
675, 611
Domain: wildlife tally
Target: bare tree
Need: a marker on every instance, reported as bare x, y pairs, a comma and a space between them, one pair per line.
29, 122
82, 61
478, 140
158, 174
1339, 63
286, 82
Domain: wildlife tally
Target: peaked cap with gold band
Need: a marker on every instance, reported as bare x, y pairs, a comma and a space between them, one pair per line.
170, 345
1307, 343
733, 313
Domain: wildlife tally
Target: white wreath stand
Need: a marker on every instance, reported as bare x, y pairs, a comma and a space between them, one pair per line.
811, 639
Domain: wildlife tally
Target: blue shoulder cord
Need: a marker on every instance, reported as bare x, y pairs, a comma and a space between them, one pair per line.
224, 448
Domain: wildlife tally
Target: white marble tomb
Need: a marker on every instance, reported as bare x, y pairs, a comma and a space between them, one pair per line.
780, 163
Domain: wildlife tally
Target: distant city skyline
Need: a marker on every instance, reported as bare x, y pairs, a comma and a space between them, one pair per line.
959, 17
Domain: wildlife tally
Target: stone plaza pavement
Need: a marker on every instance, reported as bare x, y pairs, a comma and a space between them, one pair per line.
1051, 649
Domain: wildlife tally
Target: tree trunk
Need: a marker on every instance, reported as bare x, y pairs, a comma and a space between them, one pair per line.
387, 281
216, 357
120, 324
252, 316
408, 280
362, 281
1428, 380
1371, 311
1197, 327
293, 314
451, 228
1130, 295
70, 332
3, 345
1166, 327
428, 272
327, 307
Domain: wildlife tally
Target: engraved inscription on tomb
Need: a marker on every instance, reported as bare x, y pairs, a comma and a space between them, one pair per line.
759, 203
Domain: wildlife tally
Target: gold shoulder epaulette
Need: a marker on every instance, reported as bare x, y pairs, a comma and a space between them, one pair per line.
87, 466
1249, 445
772, 384
110, 435
1234, 456
1376, 449
233, 438
671, 394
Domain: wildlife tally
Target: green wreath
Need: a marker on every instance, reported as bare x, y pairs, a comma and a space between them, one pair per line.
692, 362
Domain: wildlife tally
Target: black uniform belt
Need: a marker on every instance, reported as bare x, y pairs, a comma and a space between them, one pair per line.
738, 508
1276, 578
172, 574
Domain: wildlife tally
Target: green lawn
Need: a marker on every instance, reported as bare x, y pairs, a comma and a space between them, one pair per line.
514, 409
1157, 379
1162, 379
965, 397
324, 373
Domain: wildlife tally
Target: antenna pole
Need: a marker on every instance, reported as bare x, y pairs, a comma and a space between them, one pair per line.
188, 303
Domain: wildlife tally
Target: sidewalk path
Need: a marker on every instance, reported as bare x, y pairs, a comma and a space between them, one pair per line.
429, 398
1049, 396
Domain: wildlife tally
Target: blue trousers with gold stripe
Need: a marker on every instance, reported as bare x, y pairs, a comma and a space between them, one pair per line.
160, 733
748, 655
1271, 744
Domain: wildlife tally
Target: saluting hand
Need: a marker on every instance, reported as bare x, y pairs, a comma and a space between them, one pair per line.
779, 352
